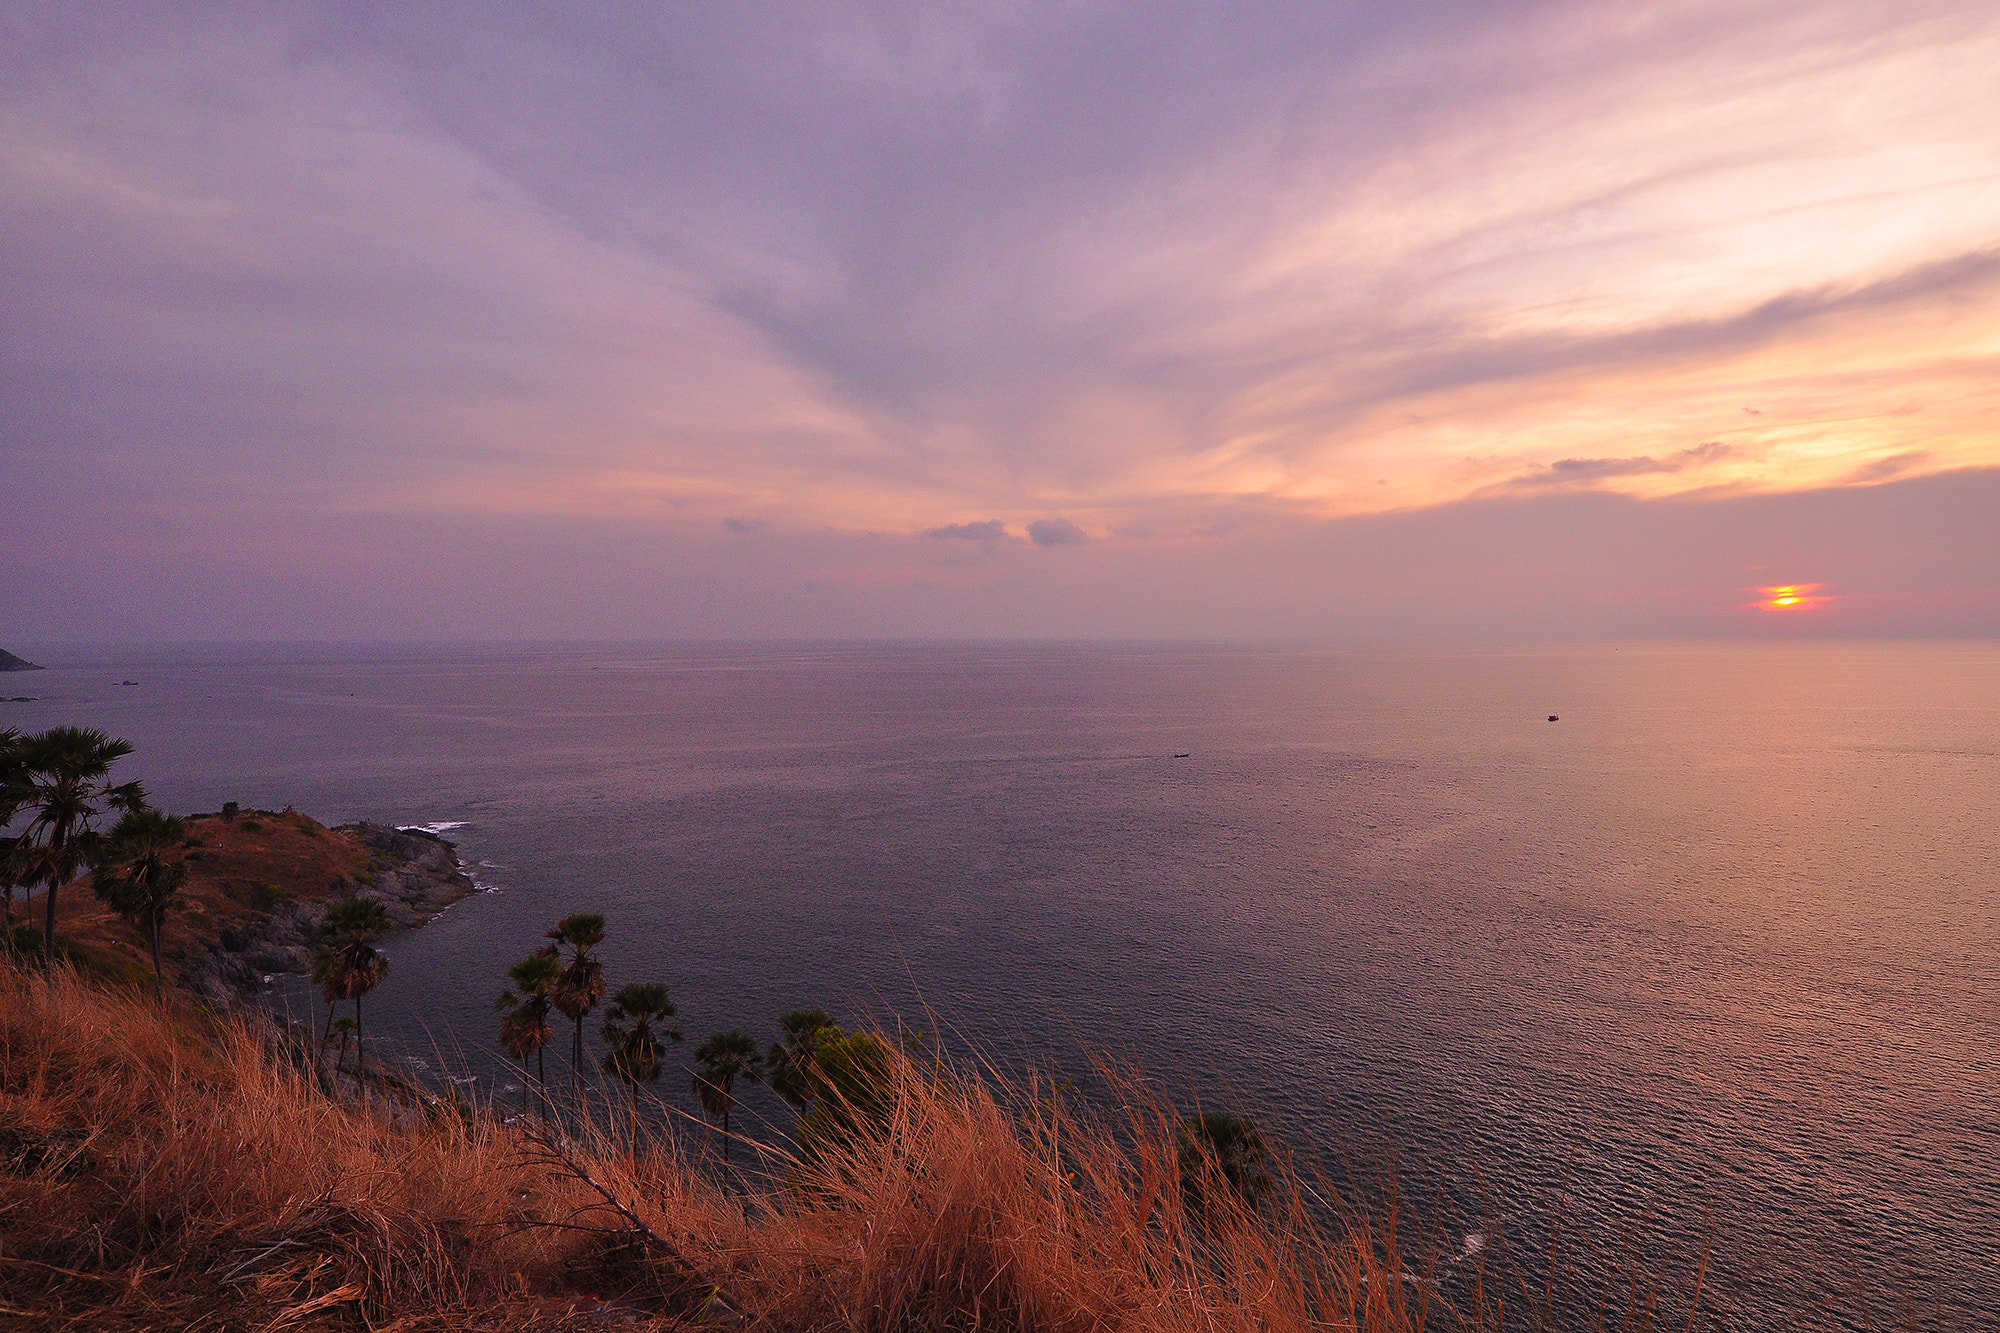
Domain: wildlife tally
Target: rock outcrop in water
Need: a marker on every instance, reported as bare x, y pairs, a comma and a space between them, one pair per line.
9, 662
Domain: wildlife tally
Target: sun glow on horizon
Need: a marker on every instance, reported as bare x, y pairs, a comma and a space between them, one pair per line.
1791, 597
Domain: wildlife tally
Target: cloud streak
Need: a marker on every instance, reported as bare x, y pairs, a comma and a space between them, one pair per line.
1587, 471
991, 530
1162, 271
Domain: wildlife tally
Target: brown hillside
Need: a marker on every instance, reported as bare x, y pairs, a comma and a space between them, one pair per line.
239, 870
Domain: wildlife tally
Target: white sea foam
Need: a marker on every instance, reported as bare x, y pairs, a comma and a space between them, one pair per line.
441, 826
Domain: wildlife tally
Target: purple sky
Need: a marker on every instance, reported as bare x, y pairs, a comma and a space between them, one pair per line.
1351, 321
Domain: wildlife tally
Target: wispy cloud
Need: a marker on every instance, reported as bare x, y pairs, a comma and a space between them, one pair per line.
1587, 471
1152, 268
991, 530
1882, 469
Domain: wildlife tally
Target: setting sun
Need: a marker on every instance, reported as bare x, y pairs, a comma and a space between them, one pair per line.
1790, 597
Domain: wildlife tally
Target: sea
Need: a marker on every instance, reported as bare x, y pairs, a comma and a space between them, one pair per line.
1677, 949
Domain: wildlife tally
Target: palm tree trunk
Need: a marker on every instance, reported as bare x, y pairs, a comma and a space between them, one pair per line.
58, 845
576, 1062
542, 1074
159, 983
328, 1083
49, 929
360, 1054
725, 1132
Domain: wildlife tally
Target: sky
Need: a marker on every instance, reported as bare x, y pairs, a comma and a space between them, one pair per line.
1337, 321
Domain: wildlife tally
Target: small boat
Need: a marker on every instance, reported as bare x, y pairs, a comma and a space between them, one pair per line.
1182, 755
1554, 718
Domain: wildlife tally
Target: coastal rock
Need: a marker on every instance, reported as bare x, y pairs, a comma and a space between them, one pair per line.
9, 662
419, 874
414, 874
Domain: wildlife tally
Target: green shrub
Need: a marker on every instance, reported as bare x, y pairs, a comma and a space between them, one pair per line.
856, 1096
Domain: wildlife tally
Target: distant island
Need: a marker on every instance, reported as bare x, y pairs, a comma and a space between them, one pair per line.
9, 662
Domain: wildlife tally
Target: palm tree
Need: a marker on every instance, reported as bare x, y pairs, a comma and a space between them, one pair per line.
793, 1064
724, 1058
14, 860
11, 778
63, 775
326, 974
13, 781
633, 1026
346, 1027
137, 878
580, 988
525, 1007
357, 966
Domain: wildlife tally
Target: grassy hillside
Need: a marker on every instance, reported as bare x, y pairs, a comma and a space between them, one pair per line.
166, 1167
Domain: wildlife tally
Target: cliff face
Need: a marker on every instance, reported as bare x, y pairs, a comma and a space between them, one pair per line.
9, 662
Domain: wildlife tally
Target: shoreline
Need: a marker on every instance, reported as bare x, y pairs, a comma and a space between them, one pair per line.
417, 876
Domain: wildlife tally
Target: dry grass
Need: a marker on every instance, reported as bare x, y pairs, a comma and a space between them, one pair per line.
163, 1168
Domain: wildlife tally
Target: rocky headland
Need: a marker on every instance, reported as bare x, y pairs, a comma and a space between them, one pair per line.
415, 875
260, 883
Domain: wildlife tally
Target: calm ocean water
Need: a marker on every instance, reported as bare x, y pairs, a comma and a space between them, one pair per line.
1716, 954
